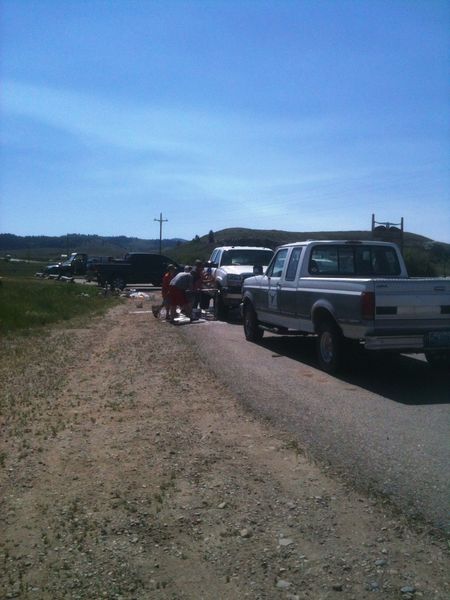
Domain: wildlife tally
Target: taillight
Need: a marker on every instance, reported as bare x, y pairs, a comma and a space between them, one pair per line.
368, 306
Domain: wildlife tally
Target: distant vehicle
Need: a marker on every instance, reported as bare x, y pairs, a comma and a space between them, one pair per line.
135, 267
349, 293
75, 265
91, 274
229, 267
52, 269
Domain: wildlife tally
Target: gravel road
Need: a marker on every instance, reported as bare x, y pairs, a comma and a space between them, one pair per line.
129, 471
385, 424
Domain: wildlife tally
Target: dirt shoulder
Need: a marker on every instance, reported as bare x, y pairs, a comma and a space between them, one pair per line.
128, 471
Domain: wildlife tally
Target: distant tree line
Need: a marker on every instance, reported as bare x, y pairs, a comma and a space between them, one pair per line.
9, 241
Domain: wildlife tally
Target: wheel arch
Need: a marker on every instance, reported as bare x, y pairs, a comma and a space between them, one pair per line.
323, 312
247, 300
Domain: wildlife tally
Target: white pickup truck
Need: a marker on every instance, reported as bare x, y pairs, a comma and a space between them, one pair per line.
348, 293
229, 266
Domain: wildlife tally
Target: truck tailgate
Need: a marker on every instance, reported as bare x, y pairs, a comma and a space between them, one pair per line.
424, 302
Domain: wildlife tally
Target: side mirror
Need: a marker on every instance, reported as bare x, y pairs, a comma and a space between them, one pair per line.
211, 265
257, 270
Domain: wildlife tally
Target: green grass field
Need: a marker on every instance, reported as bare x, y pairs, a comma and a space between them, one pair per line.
12, 268
27, 303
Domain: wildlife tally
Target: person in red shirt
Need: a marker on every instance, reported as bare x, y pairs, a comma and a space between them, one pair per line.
202, 279
167, 278
181, 290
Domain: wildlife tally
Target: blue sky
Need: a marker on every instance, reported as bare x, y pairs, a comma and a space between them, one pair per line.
296, 115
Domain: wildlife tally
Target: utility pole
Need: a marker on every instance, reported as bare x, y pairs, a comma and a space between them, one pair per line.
161, 221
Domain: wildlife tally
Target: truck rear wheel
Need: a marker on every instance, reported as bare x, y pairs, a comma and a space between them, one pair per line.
252, 331
329, 347
439, 359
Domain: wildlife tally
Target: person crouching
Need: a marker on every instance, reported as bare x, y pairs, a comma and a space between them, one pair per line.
181, 293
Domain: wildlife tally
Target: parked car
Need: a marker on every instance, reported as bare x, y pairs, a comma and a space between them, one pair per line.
73, 266
51, 269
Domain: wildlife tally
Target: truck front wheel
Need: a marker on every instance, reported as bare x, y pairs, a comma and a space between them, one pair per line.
118, 283
252, 331
220, 309
329, 347
439, 359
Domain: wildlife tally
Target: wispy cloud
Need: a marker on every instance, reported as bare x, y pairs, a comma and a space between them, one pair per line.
256, 167
144, 128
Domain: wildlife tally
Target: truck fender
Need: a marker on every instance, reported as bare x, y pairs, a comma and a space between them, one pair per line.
218, 278
321, 311
247, 298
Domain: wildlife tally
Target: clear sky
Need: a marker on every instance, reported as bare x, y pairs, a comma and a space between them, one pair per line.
272, 114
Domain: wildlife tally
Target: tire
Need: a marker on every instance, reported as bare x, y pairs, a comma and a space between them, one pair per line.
220, 309
252, 331
439, 360
205, 300
329, 347
118, 283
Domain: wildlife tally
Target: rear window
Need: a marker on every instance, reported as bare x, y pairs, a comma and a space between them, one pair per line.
354, 261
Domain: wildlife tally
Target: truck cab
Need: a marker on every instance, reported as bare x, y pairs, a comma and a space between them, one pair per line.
229, 266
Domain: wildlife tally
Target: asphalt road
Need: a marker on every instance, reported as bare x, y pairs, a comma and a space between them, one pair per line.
384, 424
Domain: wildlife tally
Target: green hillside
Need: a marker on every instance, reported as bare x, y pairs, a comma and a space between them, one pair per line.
48, 248
424, 257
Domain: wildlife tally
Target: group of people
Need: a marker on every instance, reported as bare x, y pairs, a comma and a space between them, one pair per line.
183, 290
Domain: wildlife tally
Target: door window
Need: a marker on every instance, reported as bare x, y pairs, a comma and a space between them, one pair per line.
277, 265
291, 270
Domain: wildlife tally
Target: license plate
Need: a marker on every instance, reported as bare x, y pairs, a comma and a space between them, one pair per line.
437, 339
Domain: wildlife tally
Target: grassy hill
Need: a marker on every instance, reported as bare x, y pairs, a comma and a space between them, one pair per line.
424, 257
48, 248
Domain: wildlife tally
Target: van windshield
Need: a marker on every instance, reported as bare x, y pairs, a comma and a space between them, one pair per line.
246, 257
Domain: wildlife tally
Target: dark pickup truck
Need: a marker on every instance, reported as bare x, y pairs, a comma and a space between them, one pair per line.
74, 265
135, 267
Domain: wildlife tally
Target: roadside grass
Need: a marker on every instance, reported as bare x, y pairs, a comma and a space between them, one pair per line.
40, 321
27, 304
20, 268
